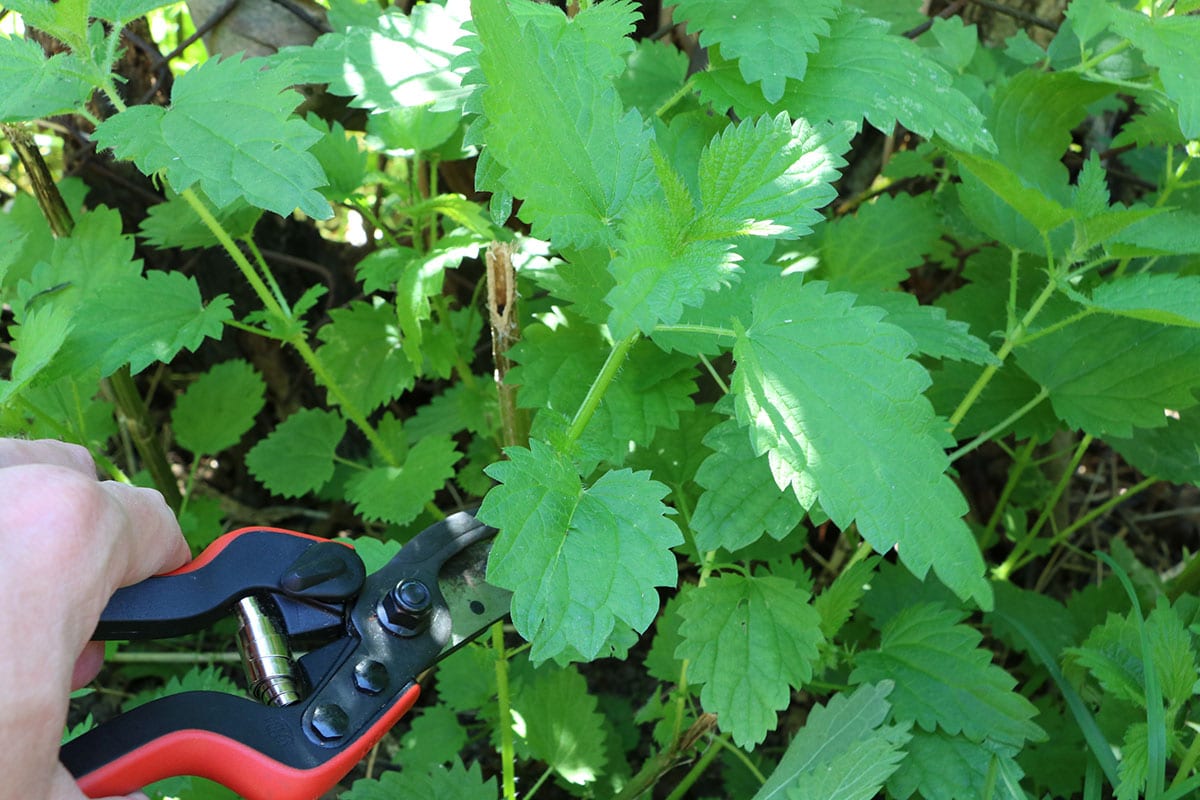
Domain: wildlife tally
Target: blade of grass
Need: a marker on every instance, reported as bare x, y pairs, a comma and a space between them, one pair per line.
1097, 743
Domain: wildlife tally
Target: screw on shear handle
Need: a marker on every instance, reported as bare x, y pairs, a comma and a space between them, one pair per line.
265, 654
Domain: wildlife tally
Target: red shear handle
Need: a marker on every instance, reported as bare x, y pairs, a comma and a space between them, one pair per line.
238, 765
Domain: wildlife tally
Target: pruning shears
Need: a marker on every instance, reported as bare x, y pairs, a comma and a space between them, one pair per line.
364, 640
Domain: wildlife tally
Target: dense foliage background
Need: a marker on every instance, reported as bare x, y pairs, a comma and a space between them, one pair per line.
829, 368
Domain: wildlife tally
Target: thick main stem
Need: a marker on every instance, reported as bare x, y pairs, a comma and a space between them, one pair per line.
506, 332
130, 405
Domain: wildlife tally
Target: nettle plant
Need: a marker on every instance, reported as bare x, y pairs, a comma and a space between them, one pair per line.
720, 387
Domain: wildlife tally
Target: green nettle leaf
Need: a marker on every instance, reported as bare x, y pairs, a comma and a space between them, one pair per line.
32, 86
658, 270
437, 783
1171, 43
37, 339
1171, 452
654, 71
843, 751
435, 738
958, 42
397, 61
467, 678
945, 680
942, 767
1089, 17
123, 11
863, 70
832, 398
298, 456
875, 248
217, 410
400, 494
1165, 299
66, 21
839, 599
563, 726
257, 153
741, 500
375, 553
342, 160
768, 177
592, 155
1044, 617
140, 320
1176, 232
750, 641
936, 335
95, 255
988, 183
363, 351
1122, 373
1112, 652
661, 662
1032, 121
770, 39
578, 559
196, 679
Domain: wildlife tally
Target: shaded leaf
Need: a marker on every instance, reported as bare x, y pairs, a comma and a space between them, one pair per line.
298, 456
749, 641
218, 408
945, 680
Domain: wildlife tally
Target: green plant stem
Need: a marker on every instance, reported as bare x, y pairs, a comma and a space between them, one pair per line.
1006, 569
1187, 763
693, 775
133, 410
508, 756
711, 330
265, 270
1021, 462
1095, 513
712, 372
741, 756
1011, 340
595, 392
296, 340
683, 92
1100, 58
546, 773
1000, 426
134, 657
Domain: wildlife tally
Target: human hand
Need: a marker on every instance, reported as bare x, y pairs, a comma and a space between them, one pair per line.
67, 542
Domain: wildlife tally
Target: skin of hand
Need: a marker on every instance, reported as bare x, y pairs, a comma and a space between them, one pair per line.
67, 542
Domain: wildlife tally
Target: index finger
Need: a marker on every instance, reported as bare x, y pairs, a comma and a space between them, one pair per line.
19, 452
153, 543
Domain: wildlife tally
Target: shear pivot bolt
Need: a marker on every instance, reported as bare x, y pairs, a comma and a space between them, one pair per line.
370, 676
329, 722
405, 609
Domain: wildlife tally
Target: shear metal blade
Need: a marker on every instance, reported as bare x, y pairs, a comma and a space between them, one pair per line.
475, 605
